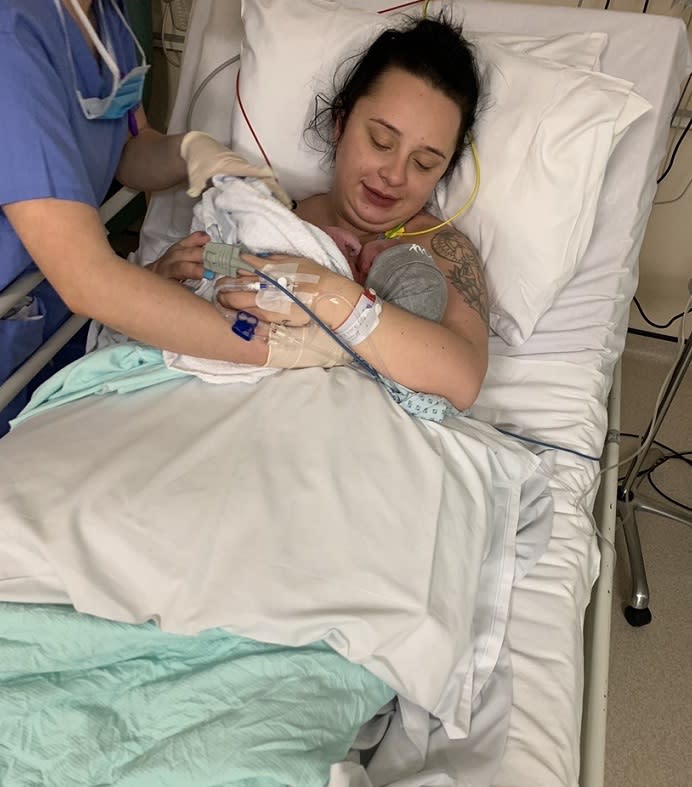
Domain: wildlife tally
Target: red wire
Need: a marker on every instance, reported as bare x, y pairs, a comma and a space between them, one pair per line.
397, 7
240, 100
247, 119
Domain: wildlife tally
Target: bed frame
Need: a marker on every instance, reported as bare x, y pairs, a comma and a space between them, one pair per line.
598, 614
23, 285
598, 617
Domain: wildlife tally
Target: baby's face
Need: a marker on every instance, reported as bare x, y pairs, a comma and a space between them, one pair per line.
348, 244
358, 256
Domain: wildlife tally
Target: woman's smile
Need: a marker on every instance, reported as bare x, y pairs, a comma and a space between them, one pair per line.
378, 198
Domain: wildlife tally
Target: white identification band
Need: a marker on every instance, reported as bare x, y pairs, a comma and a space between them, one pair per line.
362, 321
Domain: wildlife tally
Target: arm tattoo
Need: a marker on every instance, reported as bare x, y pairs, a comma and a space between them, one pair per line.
466, 274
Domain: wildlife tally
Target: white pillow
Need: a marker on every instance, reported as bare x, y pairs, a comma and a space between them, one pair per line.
544, 138
581, 50
543, 142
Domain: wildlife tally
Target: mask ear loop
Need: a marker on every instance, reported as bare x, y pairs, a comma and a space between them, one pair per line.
400, 230
131, 32
105, 54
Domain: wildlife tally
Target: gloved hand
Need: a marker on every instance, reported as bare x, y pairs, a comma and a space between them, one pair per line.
205, 157
304, 346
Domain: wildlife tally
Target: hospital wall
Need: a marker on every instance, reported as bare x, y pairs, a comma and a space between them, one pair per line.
665, 263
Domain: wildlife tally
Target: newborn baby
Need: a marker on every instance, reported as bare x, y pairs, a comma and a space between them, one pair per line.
399, 272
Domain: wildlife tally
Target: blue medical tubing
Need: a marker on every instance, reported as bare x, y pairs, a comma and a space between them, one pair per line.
357, 358
377, 376
533, 441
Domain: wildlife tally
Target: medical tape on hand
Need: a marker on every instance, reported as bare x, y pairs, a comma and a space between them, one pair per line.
363, 320
285, 274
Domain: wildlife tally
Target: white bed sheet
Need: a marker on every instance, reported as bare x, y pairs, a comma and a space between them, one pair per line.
589, 317
554, 387
238, 512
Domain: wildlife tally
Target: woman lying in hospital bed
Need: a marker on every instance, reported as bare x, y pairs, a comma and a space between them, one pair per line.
468, 483
389, 155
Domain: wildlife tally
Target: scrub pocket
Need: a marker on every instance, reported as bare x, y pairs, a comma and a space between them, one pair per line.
21, 334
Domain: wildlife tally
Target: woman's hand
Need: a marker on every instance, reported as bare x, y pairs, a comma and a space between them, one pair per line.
183, 260
292, 347
331, 296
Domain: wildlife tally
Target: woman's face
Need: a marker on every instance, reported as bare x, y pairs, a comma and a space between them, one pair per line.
396, 145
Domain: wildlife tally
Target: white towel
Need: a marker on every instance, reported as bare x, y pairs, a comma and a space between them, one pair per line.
242, 210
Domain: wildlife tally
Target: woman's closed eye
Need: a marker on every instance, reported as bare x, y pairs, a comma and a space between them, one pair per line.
380, 144
423, 166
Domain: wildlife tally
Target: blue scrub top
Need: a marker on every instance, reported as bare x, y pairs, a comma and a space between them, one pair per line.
47, 147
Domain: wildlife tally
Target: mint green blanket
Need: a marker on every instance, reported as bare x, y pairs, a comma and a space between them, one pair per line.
121, 368
87, 702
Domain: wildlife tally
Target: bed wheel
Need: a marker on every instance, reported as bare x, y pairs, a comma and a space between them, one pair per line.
638, 617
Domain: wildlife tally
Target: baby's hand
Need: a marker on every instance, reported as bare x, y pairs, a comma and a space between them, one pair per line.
349, 246
368, 253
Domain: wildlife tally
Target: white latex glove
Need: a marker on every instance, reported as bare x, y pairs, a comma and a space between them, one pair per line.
205, 157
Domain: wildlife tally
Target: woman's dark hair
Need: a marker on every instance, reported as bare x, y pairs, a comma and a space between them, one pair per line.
433, 50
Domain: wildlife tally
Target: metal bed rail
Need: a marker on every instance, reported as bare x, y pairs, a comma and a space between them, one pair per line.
598, 614
23, 285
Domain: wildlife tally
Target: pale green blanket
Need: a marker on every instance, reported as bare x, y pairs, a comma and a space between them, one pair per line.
121, 368
87, 702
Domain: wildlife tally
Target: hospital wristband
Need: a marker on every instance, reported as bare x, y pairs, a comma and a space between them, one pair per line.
362, 321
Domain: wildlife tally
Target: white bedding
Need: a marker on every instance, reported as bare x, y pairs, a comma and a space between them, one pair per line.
552, 388
246, 504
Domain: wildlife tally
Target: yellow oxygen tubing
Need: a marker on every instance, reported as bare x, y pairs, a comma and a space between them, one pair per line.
400, 230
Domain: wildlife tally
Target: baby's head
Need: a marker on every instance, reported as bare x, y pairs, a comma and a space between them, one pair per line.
348, 244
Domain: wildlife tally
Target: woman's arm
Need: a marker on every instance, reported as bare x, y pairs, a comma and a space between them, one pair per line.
449, 359
151, 161
67, 241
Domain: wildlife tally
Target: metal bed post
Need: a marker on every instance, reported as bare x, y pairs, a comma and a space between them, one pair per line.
630, 501
598, 615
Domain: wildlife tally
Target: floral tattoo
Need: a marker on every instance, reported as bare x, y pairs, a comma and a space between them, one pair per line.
466, 274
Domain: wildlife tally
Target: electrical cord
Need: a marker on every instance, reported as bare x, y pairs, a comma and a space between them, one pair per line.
166, 13
674, 199
579, 502
207, 79
655, 324
672, 452
662, 493
675, 151
683, 456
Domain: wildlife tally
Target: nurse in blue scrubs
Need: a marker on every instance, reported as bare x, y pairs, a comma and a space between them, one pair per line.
71, 78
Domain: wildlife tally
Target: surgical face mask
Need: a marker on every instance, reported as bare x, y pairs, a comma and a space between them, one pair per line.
127, 90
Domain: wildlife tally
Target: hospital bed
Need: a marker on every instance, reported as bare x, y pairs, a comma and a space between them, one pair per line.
558, 387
